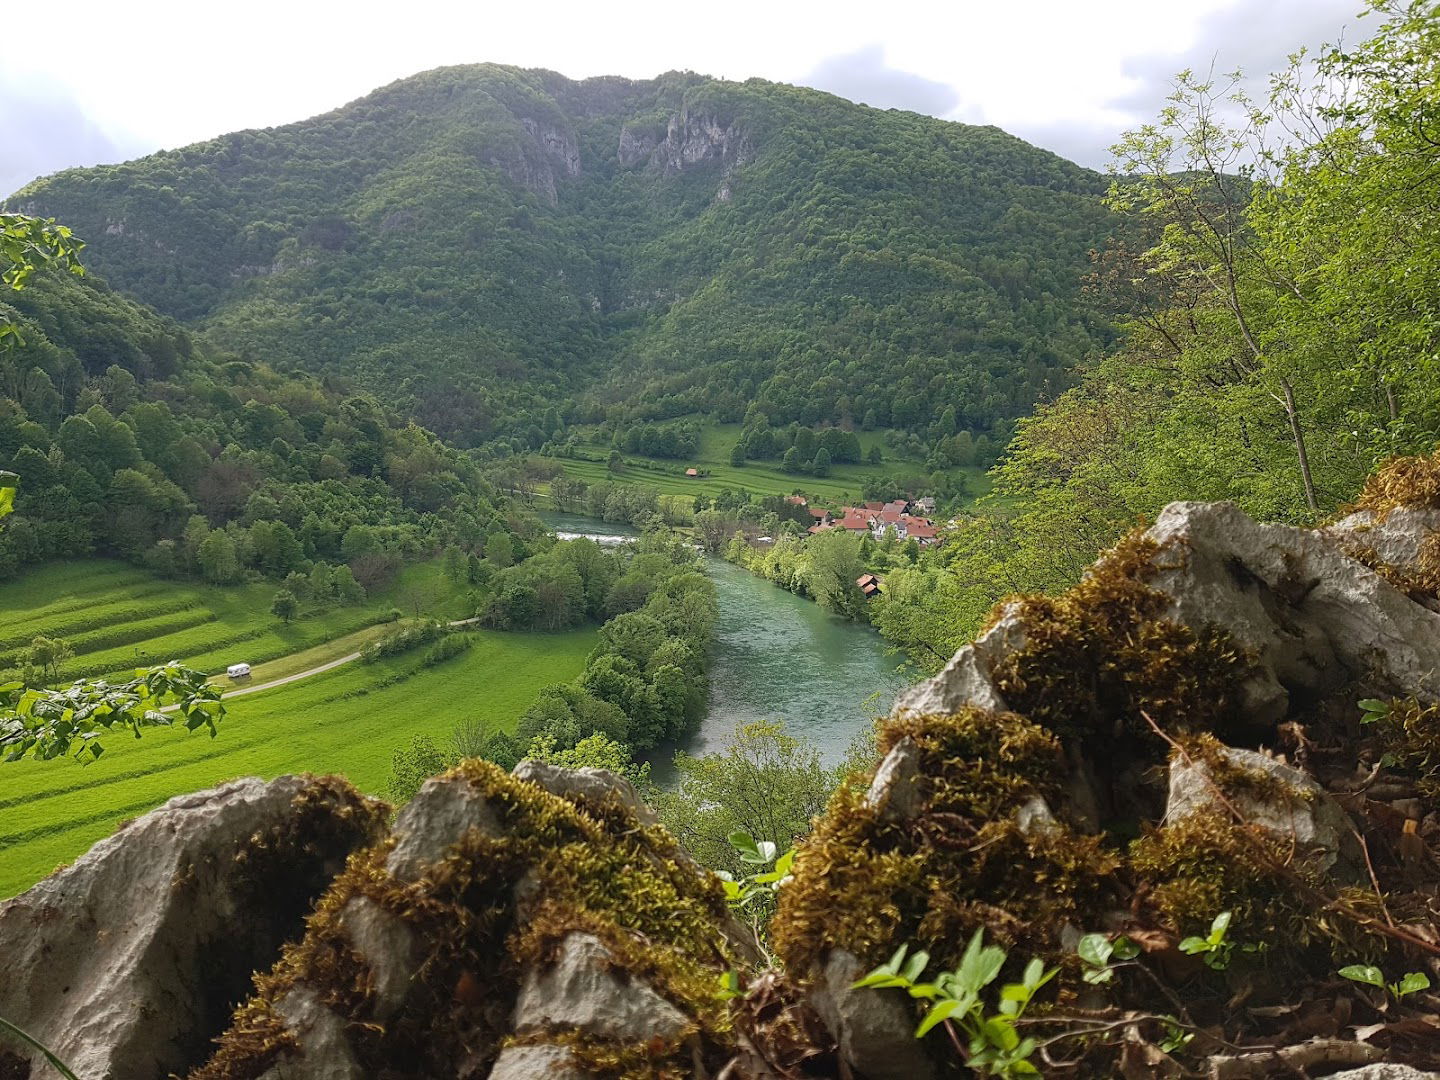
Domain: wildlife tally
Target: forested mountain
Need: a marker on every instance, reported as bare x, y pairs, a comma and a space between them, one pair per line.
503, 251
132, 437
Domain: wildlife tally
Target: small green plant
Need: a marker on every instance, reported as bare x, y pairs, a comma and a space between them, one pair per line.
1409, 983
744, 892
1373, 710
1216, 948
1176, 1038
992, 1044
730, 987
1097, 952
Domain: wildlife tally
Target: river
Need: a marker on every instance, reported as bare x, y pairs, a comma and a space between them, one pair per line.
777, 656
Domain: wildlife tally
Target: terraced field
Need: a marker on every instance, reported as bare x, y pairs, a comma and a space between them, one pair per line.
349, 721
117, 617
844, 483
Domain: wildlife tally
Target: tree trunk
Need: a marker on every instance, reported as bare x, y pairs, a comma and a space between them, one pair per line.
1299, 436
1390, 401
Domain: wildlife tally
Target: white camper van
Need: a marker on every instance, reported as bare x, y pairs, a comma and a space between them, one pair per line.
238, 671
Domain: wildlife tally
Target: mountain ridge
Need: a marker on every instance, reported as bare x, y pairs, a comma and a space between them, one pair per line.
479, 242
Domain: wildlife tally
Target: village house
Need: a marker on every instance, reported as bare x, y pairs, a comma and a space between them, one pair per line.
888, 520
869, 585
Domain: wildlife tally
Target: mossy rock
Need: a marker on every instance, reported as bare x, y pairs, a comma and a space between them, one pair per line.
526, 873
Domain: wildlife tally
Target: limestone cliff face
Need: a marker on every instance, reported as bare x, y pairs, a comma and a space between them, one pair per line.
547, 155
691, 139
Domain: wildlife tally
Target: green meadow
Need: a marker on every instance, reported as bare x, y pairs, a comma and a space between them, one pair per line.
843, 484
349, 720
118, 617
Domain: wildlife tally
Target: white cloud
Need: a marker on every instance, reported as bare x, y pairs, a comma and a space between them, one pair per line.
1069, 75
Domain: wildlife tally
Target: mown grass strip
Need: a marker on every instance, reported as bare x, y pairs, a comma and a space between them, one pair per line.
349, 720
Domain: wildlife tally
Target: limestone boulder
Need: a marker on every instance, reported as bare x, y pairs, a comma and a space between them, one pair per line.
1284, 801
594, 786
128, 962
538, 1062
895, 793
1314, 617
875, 1032
583, 990
966, 680
1398, 540
473, 944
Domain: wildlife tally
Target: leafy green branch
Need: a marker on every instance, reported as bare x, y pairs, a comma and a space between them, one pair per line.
753, 896
27, 243
52, 723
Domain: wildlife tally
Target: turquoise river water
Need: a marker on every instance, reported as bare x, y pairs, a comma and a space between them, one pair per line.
777, 656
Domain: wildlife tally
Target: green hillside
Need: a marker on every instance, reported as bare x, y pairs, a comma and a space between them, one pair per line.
505, 251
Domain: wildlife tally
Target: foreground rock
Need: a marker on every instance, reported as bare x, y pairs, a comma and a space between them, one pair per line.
1022, 793
522, 926
1173, 740
128, 962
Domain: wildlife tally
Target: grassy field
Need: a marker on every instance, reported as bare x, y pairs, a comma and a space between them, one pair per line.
349, 721
117, 617
843, 485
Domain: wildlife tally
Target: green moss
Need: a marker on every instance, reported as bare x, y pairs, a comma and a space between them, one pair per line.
1401, 481
1410, 734
594, 868
866, 884
1100, 655
1207, 863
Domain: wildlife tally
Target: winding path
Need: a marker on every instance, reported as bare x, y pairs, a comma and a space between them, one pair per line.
318, 670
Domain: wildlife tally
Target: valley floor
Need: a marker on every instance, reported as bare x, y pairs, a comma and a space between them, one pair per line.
348, 720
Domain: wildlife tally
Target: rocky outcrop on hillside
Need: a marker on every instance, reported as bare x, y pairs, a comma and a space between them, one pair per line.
690, 139
1169, 760
546, 156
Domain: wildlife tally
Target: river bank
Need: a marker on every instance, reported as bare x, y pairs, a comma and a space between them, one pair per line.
776, 656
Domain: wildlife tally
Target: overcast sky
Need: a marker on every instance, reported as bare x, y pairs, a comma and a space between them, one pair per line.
106, 80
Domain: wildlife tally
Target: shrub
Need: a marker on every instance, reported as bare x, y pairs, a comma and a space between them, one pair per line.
447, 648
402, 639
